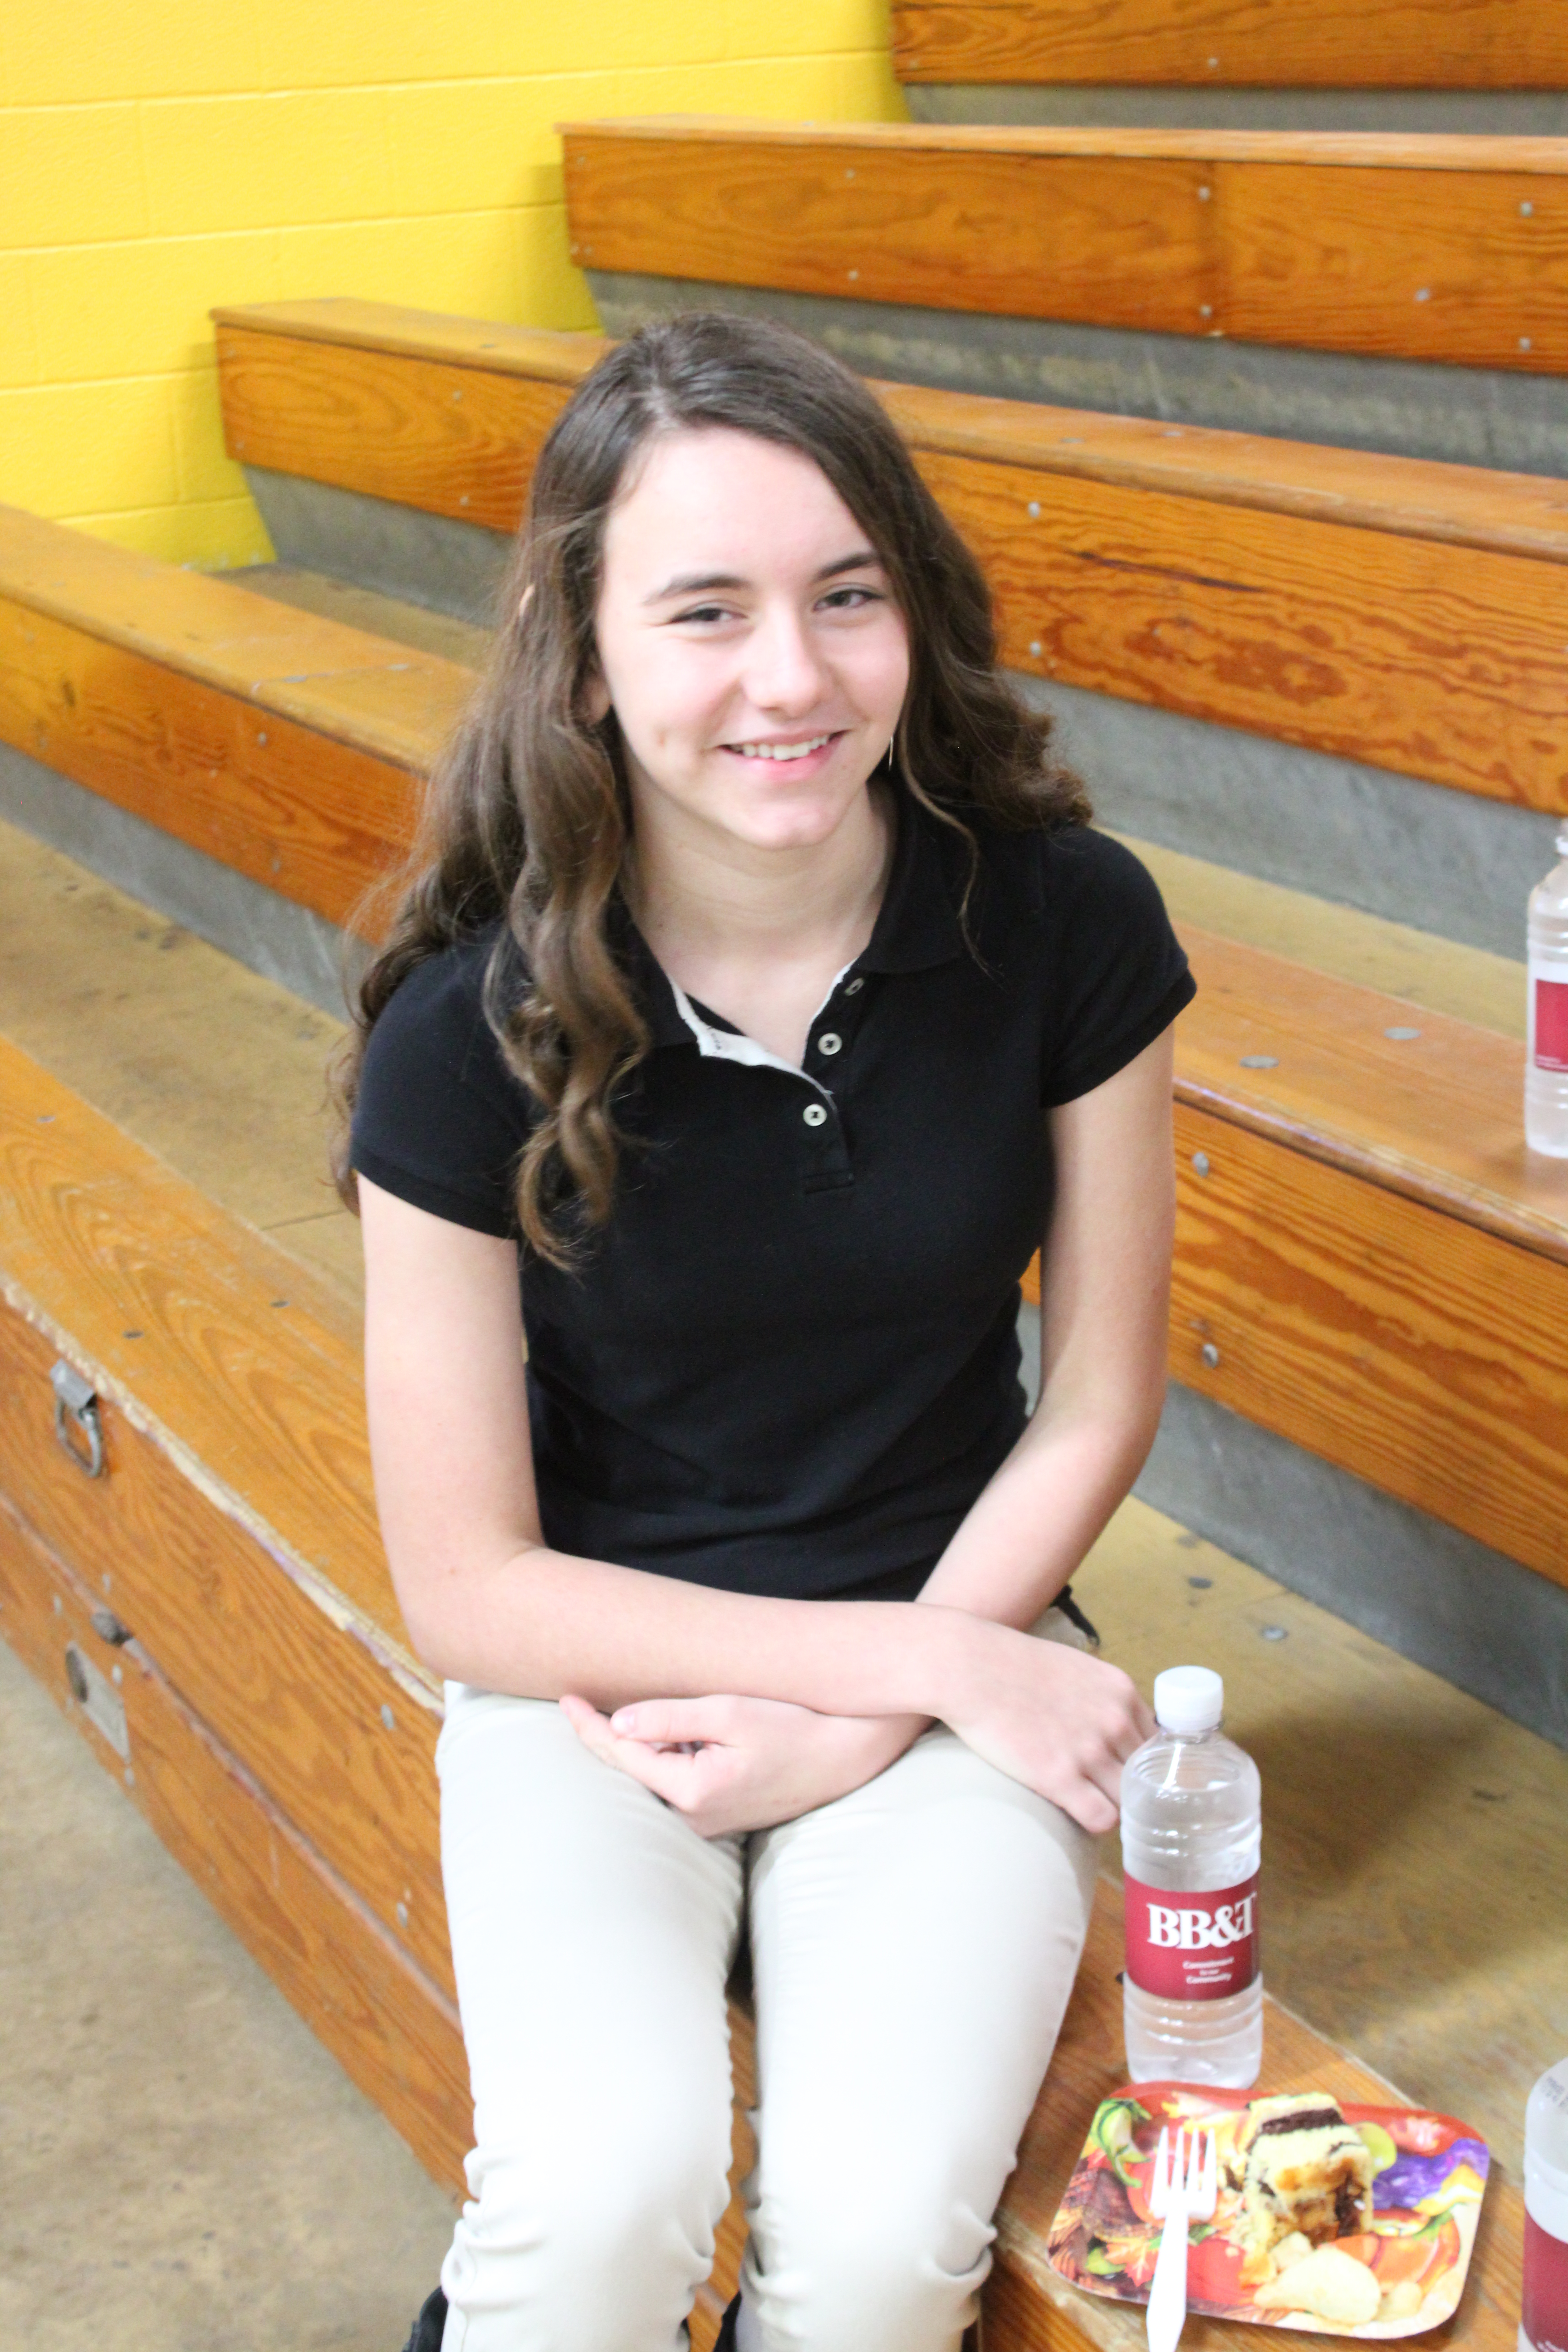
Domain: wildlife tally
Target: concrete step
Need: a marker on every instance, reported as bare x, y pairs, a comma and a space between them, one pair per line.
1211, 106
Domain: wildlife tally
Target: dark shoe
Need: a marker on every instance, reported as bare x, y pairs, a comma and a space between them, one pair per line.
430, 2327
725, 2339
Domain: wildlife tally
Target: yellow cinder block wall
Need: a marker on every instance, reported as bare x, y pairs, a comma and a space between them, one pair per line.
157, 159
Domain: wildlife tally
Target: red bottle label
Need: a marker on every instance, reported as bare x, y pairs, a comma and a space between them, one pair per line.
1193, 1947
1552, 1024
1544, 2312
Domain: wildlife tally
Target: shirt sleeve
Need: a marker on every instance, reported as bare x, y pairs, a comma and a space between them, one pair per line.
1119, 974
439, 1120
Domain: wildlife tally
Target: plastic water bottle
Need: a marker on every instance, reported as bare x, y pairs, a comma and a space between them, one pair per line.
1191, 1833
1543, 2319
1546, 1063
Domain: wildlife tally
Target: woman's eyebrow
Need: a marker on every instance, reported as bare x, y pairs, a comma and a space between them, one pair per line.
697, 583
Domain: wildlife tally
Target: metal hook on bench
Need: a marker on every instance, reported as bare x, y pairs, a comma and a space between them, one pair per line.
76, 1403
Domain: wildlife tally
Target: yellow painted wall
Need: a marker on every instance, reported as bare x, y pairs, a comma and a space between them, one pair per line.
158, 156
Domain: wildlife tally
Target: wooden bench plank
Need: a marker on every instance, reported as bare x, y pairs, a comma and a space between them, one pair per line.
1309, 1059
288, 745
1355, 642
1218, 44
1465, 505
450, 440
1376, 1332
1404, 246
173, 1304
1409, 614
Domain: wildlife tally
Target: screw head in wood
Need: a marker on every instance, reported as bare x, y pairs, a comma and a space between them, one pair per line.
1210, 1354
1200, 1164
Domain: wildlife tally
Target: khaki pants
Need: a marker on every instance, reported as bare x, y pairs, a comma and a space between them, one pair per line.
913, 1948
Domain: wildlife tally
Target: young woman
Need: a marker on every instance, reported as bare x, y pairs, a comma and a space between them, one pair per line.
761, 1002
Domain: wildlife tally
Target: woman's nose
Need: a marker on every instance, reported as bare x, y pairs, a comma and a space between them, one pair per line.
783, 670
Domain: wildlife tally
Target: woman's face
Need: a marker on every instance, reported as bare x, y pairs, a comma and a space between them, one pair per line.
748, 643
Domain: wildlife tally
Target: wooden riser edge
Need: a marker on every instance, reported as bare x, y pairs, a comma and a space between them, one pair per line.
1347, 45
394, 2034
290, 1686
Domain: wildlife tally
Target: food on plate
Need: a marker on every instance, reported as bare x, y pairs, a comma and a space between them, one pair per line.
1305, 2232
1303, 2172
1328, 2285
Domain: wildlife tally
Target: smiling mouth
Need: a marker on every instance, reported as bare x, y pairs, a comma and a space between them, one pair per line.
779, 751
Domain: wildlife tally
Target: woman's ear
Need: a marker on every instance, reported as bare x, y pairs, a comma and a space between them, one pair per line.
594, 697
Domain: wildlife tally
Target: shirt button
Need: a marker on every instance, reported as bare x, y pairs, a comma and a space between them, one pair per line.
854, 988
829, 1042
813, 1115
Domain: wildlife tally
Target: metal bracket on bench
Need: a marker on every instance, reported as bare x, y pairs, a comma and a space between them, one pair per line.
76, 1403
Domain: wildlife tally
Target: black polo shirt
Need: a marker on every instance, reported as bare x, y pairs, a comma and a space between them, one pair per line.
789, 1364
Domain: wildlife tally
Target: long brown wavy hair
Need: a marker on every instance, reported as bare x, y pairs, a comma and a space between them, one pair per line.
527, 818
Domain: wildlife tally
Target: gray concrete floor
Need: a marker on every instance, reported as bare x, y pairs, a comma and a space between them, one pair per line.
183, 2168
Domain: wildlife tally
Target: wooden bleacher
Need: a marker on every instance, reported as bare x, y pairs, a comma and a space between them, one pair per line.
1363, 1200
279, 1734
1332, 582
1396, 245
1368, 1262
1506, 45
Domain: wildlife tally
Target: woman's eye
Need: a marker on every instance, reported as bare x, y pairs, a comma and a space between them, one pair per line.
850, 599
705, 612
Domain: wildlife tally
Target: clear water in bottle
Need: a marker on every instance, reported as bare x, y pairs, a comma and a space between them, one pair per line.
1191, 1834
1543, 2309
1546, 1061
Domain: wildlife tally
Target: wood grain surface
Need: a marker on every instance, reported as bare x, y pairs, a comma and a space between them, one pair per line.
1436, 661
449, 439
1338, 45
1334, 1070
204, 1333
361, 690
393, 2030
1469, 506
549, 354
287, 1680
1386, 1338
317, 819
1410, 245
1385, 610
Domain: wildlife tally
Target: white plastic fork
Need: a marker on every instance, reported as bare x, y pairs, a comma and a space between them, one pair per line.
1180, 2192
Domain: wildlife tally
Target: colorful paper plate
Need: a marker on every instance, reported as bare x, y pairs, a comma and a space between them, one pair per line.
1426, 2200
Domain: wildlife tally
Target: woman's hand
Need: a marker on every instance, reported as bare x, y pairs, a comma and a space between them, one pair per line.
735, 1764
1051, 1716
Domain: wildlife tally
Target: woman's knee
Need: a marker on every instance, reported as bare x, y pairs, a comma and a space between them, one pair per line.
558, 2253
857, 2266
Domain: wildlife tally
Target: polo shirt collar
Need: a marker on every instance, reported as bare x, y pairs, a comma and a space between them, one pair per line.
916, 925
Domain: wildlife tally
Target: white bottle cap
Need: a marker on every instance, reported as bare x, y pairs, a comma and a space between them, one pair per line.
1188, 1698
